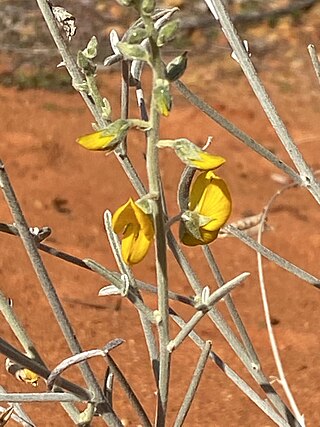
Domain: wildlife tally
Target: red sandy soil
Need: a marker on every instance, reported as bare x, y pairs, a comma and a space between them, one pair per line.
61, 185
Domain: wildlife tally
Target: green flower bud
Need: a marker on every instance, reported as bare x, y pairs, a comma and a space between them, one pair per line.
162, 97
167, 32
191, 154
133, 51
177, 67
148, 6
90, 51
136, 35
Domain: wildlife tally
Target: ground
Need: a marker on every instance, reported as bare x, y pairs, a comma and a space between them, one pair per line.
61, 185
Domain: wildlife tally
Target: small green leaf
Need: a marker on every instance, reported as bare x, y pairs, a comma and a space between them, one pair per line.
133, 51
90, 51
167, 32
136, 35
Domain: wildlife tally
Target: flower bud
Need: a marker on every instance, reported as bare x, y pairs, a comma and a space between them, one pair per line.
176, 67
90, 51
167, 32
133, 51
106, 139
192, 155
136, 35
162, 97
148, 6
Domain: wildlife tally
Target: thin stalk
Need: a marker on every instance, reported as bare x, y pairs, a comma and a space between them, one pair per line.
130, 294
21, 415
125, 269
276, 355
39, 397
129, 392
231, 306
306, 174
147, 287
125, 76
154, 179
227, 333
190, 395
77, 81
47, 286
315, 60
16, 356
233, 376
272, 256
238, 133
19, 330
213, 299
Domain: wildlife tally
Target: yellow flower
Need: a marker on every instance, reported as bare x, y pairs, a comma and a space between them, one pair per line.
22, 374
106, 139
209, 209
28, 377
137, 230
206, 161
192, 155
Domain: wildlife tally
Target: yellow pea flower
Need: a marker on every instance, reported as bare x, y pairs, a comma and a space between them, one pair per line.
192, 155
137, 229
22, 374
28, 377
106, 139
209, 209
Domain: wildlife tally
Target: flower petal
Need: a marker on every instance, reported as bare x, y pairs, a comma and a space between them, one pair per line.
189, 240
122, 217
209, 198
96, 141
137, 229
207, 161
134, 247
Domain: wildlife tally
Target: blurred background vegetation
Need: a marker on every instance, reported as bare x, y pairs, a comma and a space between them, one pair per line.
28, 54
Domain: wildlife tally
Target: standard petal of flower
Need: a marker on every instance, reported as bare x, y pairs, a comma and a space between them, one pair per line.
122, 217
144, 221
137, 229
207, 161
134, 246
198, 191
216, 204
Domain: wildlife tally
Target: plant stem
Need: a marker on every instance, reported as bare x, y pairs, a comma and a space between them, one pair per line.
315, 60
48, 288
129, 392
233, 376
190, 395
272, 256
306, 174
154, 178
238, 133
213, 299
231, 307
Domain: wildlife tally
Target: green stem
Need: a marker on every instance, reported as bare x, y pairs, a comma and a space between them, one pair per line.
160, 232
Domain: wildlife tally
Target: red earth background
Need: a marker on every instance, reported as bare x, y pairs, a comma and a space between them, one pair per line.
61, 185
